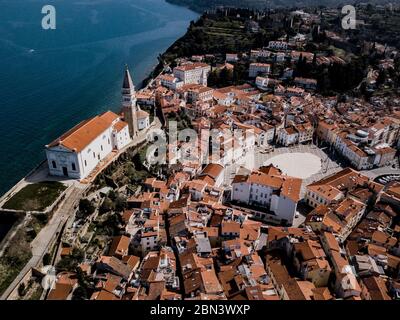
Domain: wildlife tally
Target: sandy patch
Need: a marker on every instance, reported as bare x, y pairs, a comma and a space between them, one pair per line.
299, 165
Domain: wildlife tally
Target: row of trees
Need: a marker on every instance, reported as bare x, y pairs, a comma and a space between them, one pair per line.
334, 78
225, 77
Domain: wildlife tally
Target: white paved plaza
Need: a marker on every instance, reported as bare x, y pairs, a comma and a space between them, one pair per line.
302, 161
296, 164
306, 162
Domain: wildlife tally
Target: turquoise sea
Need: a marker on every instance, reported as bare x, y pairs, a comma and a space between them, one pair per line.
52, 79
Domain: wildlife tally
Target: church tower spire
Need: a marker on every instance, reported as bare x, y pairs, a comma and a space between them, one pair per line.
128, 90
129, 106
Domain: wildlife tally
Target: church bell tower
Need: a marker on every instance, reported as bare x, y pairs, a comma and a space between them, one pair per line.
129, 106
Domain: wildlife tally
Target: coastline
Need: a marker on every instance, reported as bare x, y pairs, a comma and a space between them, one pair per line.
17, 223
68, 79
154, 70
190, 7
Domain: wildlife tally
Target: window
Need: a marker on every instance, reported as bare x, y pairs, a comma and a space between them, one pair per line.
54, 164
108, 141
73, 166
94, 155
101, 148
85, 163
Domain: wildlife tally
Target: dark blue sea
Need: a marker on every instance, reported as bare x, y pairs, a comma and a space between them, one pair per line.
52, 79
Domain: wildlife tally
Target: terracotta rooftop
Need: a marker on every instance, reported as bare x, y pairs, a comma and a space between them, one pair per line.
80, 136
191, 66
119, 246
230, 227
213, 170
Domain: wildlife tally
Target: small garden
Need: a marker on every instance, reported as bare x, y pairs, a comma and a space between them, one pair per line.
36, 196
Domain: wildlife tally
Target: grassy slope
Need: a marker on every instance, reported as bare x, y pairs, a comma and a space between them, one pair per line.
14, 259
35, 197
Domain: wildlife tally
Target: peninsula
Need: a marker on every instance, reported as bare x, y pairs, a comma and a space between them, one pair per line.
259, 162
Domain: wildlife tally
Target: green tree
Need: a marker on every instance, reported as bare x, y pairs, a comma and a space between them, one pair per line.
86, 207
46, 259
85, 287
120, 204
80, 293
381, 79
22, 289
71, 262
106, 206
213, 78
225, 77
112, 224
112, 195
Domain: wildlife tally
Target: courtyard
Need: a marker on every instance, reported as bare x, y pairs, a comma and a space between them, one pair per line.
296, 164
307, 162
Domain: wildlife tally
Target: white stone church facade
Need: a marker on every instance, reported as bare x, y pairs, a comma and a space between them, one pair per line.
78, 151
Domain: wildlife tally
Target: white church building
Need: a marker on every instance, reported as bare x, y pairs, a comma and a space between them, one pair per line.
78, 151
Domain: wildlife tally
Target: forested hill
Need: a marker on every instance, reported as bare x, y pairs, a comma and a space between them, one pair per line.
202, 5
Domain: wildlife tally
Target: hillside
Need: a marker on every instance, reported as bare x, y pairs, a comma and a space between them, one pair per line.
202, 5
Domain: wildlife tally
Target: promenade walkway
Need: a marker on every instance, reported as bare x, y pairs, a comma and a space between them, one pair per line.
40, 245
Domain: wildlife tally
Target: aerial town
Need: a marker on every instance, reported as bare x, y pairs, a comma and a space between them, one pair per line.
280, 182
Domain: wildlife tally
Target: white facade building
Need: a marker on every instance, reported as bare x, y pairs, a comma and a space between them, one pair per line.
278, 45
193, 73
262, 83
231, 57
287, 136
213, 173
76, 153
223, 99
149, 241
258, 68
199, 93
170, 82
143, 119
255, 54
300, 133
266, 136
268, 189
